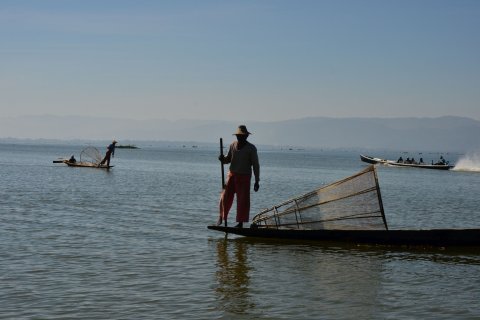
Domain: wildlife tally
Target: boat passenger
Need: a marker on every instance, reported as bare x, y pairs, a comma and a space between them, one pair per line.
400, 160
413, 161
421, 161
441, 162
408, 160
72, 159
242, 156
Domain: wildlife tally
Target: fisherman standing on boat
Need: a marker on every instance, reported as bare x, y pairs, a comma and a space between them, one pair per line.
242, 156
110, 153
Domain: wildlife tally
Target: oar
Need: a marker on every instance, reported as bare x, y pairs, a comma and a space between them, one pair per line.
223, 182
221, 165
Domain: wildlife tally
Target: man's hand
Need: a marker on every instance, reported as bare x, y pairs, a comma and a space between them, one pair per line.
256, 186
221, 158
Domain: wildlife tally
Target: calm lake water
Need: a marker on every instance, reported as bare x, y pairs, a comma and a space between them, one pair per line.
132, 242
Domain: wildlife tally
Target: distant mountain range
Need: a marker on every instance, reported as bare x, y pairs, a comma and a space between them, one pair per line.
455, 134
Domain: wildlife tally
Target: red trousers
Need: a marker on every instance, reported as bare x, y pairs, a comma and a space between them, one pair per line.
236, 184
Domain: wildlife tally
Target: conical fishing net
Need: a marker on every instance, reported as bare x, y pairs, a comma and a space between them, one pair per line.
353, 203
90, 155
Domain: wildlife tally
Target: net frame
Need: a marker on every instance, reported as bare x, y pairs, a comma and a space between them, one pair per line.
329, 207
90, 155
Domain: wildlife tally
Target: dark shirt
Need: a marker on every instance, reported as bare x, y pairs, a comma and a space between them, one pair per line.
111, 148
243, 160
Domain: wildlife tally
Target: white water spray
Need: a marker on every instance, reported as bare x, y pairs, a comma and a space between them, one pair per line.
469, 162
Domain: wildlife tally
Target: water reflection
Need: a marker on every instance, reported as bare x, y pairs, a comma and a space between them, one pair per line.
233, 277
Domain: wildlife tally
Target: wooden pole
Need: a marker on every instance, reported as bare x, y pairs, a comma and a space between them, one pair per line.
223, 173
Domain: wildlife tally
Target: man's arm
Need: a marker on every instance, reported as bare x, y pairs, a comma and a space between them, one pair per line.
256, 170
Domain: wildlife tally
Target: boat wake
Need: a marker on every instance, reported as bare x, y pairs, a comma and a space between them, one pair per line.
469, 162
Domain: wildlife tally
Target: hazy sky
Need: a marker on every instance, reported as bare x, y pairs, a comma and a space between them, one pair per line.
240, 60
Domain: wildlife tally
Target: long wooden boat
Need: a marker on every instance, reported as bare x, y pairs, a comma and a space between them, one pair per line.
432, 237
82, 164
349, 210
86, 165
373, 160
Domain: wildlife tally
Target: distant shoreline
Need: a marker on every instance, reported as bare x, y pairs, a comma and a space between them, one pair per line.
214, 145
443, 134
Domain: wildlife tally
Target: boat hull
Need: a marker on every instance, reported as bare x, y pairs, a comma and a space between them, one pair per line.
86, 165
373, 160
420, 166
432, 237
